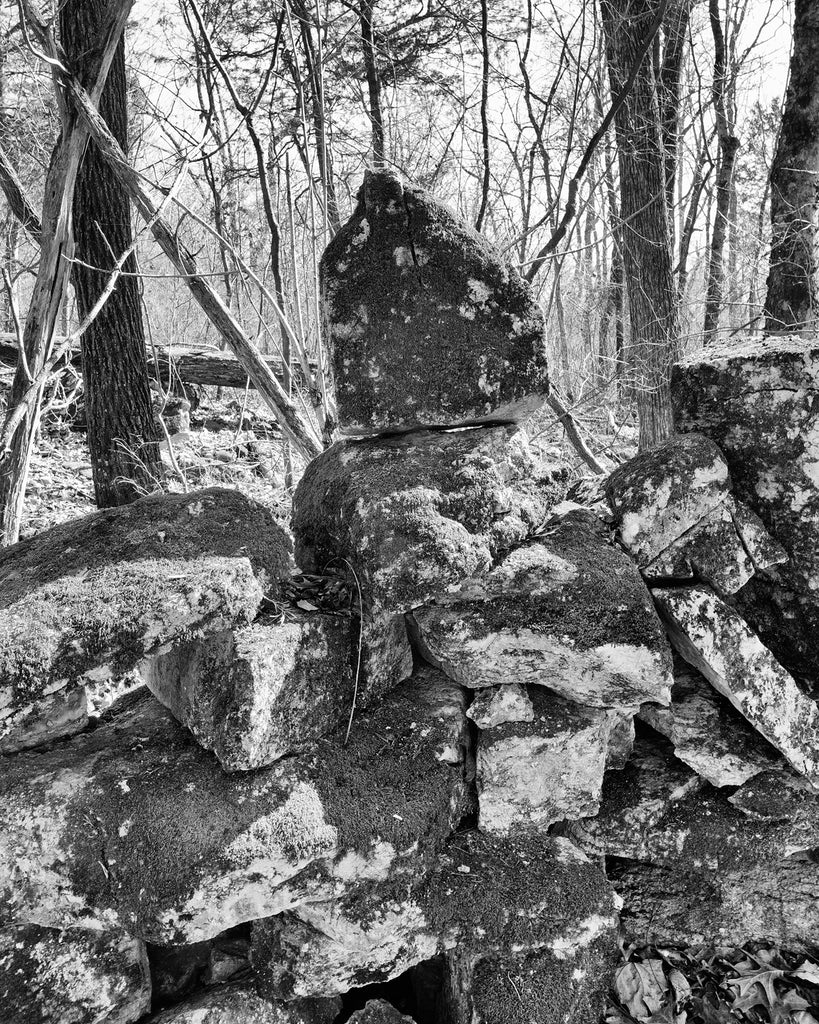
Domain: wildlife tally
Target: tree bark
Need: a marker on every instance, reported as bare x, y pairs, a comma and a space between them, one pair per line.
366, 12
793, 278
122, 434
644, 212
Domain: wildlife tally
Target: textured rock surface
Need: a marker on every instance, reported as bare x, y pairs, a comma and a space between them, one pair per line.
775, 904
72, 977
661, 493
567, 611
484, 896
240, 1004
134, 824
785, 797
427, 324
708, 734
379, 1011
415, 515
84, 601
501, 704
756, 401
255, 694
713, 638
532, 774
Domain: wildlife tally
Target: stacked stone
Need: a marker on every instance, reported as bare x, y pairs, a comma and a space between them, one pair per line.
707, 830
438, 507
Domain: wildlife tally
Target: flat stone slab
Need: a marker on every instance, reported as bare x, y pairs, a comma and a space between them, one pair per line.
566, 610
269, 689
484, 895
134, 825
72, 977
755, 399
713, 638
239, 1003
662, 493
415, 515
532, 774
85, 601
427, 324
782, 796
708, 734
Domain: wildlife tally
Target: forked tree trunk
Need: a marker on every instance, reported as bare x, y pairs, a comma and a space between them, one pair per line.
643, 209
792, 303
122, 434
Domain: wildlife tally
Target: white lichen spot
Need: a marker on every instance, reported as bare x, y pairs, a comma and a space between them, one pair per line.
402, 255
196, 508
363, 233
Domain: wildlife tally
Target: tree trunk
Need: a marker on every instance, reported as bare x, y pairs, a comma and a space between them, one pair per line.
122, 434
366, 11
644, 213
793, 278
728, 146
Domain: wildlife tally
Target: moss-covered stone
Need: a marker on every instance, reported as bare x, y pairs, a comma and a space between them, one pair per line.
86, 600
239, 1003
427, 324
416, 514
132, 824
566, 610
757, 401
72, 977
663, 492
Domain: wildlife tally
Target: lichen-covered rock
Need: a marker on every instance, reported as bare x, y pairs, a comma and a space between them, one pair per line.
775, 904
708, 734
72, 977
484, 896
661, 493
85, 601
566, 610
621, 739
713, 638
756, 401
254, 694
532, 774
379, 1011
239, 1003
501, 704
783, 796
427, 325
416, 514
132, 824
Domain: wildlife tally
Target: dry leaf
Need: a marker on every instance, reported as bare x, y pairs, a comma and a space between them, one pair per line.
642, 988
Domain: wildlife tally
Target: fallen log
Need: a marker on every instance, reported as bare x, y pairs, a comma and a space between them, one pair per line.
190, 366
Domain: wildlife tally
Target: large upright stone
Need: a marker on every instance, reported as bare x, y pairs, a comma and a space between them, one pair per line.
757, 402
414, 515
88, 599
567, 610
427, 324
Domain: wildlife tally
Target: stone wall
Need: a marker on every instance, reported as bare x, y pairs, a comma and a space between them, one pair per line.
476, 736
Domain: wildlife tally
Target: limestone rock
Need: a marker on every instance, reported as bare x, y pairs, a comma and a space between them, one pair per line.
620, 739
499, 705
379, 1011
774, 904
427, 325
566, 610
72, 977
532, 774
662, 493
713, 638
86, 600
132, 824
755, 400
783, 796
708, 734
255, 694
657, 811
483, 896
542, 987
240, 1004
415, 515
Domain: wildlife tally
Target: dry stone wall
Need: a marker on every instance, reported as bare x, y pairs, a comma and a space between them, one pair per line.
539, 728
